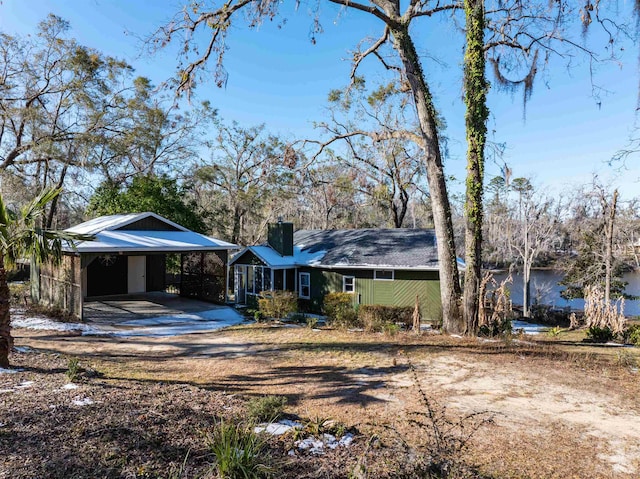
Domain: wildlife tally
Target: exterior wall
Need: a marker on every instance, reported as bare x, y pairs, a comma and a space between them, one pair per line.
59, 286
401, 291
149, 224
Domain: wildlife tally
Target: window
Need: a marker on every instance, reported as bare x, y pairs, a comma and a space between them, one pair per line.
383, 275
305, 285
348, 284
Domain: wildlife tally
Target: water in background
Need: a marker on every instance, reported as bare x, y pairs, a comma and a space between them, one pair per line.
544, 285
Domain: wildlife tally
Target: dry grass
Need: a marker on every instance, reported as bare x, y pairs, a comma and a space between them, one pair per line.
542, 391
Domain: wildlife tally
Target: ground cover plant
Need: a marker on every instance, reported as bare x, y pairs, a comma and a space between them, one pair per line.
149, 406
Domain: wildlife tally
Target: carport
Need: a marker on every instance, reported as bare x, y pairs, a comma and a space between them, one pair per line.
133, 254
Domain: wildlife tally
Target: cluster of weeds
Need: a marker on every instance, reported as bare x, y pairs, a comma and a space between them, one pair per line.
266, 408
602, 314
446, 439
239, 452
554, 332
386, 319
52, 312
440, 451
627, 359
74, 369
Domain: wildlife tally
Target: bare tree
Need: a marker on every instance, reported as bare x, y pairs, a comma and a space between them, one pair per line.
395, 25
55, 97
382, 150
597, 242
247, 172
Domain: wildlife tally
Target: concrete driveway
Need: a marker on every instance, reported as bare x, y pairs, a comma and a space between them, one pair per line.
149, 315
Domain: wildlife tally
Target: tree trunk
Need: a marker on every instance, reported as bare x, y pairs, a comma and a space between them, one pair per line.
608, 260
526, 288
450, 292
475, 86
54, 203
526, 273
237, 225
6, 341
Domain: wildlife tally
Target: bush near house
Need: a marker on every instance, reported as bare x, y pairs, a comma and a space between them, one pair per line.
377, 318
277, 304
338, 307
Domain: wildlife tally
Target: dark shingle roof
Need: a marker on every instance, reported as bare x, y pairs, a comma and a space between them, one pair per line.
395, 248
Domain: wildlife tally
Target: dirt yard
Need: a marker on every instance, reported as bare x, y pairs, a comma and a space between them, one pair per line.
544, 407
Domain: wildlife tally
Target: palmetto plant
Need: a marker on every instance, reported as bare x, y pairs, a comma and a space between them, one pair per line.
21, 236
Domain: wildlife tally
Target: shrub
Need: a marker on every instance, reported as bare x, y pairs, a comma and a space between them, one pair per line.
277, 304
632, 334
239, 452
339, 310
266, 408
376, 318
499, 326
600, 335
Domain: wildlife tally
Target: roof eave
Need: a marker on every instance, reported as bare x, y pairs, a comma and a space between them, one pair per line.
370, 266
148, 250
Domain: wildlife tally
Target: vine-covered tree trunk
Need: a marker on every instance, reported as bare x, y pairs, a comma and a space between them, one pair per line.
475, 87
450, 291
6, 341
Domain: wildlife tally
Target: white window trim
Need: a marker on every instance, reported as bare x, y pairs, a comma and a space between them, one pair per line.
375, 274
344, 284
308, 275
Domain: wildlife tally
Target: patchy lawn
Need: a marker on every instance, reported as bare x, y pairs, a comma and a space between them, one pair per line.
544, 407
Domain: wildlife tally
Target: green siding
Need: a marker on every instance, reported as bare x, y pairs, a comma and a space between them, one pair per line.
402, 291
322, 282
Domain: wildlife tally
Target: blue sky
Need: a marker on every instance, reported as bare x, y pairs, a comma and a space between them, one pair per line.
278, 77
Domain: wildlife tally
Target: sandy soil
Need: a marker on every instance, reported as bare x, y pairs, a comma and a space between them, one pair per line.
551, 415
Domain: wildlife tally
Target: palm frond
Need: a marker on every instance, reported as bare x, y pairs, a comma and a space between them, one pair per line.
35, 209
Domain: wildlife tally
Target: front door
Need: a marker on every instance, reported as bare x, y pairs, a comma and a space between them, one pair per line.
136, 274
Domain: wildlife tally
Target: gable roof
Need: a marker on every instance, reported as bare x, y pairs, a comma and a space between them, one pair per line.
113, 234
116, 222
400, 248
271, 257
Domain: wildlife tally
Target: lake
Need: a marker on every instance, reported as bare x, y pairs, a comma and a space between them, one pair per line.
544, 285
